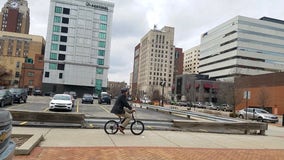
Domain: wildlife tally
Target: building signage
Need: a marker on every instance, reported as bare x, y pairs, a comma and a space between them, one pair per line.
96, 6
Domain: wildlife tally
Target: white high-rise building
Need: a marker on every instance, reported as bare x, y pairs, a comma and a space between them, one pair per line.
77, 49
191, 60
243, 46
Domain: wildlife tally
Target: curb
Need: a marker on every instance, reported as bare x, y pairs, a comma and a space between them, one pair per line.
29, 145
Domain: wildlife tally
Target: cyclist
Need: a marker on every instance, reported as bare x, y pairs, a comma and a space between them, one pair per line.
121, 108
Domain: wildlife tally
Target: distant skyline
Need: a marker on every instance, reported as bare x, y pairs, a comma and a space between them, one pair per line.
132, 19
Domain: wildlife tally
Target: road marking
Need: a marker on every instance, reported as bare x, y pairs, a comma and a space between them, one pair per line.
104, 108
77, 106
23, 123
46, 109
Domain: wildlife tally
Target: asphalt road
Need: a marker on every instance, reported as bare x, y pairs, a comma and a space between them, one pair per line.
96, 113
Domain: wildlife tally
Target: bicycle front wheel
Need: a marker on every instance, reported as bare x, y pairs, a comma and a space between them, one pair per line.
111, 127
137, 127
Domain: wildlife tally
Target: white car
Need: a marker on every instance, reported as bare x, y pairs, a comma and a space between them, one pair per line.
61, 101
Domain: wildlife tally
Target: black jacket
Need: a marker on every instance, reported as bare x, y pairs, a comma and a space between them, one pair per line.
119, 104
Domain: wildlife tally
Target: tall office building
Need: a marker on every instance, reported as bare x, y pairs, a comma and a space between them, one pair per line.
156, 61
78, 46
191, 60
243, 46
15, 17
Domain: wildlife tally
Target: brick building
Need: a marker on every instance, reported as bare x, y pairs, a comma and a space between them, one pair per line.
265, 91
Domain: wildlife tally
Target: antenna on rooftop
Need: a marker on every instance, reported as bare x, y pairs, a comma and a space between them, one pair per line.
155, 26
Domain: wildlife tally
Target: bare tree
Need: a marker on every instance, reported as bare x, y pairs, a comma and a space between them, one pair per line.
263, 98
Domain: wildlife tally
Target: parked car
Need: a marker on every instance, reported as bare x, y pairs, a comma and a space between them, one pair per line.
7, 146
95, 96
181, 103
87, 98
62, 102
6, 97
225, 107
37, 92
210, 105
74, 94
19, 94
50, 93
104, 97
257, 114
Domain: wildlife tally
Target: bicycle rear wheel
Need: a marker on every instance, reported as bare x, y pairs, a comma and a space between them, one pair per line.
137, 127
111, 127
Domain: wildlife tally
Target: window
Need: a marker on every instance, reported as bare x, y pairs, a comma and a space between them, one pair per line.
63, 38
103, 18
57, 19
103, 27
61, 66
53, 66
54, 47
61, 57
64, 29
58, 9
29, 60
66, 11
100, 71
100, 61
102, 35
102, 44
62, 47
30, 74
17, 75
101, 52
55, 37
65, 20
99, 83
56, 29
46, 74
18, 65
31, 82
53, 56
60, 75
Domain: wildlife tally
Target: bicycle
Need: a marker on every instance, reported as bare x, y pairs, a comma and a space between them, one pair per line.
136, 126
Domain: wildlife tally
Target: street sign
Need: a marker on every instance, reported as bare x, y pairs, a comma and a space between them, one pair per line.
246, 94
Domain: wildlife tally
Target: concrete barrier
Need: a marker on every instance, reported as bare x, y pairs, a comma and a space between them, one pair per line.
53, 117
222, 127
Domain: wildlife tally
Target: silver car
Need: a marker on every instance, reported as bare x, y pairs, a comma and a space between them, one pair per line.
257, 114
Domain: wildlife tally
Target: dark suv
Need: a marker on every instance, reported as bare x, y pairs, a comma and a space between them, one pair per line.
6, 97
104, 97
19, 94
7, 146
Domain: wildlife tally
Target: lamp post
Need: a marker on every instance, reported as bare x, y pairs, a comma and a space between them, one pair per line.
163, 83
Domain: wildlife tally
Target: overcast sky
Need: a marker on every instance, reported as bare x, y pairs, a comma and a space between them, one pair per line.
132, 19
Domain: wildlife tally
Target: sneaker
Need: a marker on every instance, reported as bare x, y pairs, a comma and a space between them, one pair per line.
120, 128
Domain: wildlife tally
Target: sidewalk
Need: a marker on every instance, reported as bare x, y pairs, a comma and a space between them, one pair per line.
92, 144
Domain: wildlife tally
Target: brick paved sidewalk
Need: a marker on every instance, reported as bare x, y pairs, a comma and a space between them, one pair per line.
150, 153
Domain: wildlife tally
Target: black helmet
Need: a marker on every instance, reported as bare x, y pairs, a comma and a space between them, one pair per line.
123, 90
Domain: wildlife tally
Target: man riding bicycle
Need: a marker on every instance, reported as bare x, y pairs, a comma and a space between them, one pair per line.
121, 108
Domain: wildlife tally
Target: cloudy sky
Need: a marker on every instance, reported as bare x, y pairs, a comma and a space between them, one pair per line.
132, 19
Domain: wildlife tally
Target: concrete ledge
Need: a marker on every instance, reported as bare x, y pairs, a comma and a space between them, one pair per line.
29, 145
222, 127
53, 117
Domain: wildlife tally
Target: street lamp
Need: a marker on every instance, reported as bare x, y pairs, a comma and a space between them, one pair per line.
163, 83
